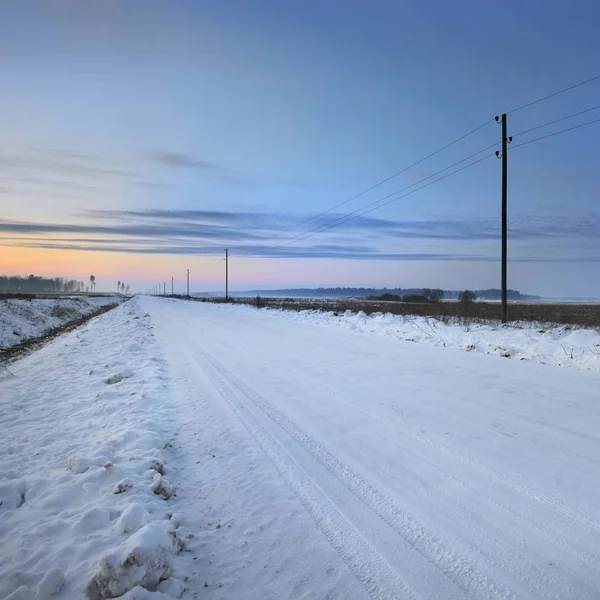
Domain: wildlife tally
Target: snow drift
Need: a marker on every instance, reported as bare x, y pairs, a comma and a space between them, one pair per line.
22, 320
84, 487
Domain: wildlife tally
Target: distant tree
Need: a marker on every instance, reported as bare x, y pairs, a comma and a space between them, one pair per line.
122, 288
127, 287
92, 282
467, 297
435, 295
416, 298
118, 286
389, 297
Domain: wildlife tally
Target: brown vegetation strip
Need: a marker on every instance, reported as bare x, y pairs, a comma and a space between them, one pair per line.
584, 315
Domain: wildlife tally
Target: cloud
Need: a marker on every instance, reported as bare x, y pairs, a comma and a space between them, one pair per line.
166, 214
56, 165
178, 231
74, 185
68, 169
152, 230
341, 252
184, 161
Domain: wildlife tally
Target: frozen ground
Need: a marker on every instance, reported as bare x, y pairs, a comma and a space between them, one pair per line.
310, 461
22, 320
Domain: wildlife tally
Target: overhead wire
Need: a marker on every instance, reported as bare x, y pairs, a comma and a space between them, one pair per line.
567, 89
581, 112
511, 147
379, 200
402, 171
380, 203
462, 137
365, 210
375, 205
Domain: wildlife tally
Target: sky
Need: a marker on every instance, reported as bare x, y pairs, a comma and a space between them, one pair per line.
141, 138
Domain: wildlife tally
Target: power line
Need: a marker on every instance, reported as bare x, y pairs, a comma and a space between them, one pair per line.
362, 211
528, 104
553, 134
568, 89
557, 120
325, 226
352, 216
462, 137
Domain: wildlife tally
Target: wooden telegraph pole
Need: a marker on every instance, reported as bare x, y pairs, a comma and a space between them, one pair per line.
505, 141
226, 274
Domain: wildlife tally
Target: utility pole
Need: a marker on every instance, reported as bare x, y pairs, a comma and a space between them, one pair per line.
188, 283
226, 274
172, 294
505, 141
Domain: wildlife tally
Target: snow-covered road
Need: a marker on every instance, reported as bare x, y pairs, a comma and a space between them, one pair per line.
180, 449
325, 463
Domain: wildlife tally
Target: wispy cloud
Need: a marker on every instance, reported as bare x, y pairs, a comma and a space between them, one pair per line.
166, 214
68, 169
184, 161
162, 231
61, 165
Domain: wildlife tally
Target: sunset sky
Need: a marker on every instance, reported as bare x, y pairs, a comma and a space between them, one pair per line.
140, 138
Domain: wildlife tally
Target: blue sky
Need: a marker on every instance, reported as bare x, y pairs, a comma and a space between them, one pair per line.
141, 138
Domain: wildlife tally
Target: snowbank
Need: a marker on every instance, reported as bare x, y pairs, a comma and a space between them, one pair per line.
564, 345
84, 490
554, 345
22, 320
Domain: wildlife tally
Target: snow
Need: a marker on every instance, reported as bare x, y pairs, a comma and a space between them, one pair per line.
346, 464
80, 506
144, 560
251, 453
22, 320
559, 345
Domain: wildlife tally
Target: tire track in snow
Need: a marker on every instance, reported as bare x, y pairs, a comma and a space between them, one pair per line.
404, 429
550, 535
553, 503
457, 569
378, 578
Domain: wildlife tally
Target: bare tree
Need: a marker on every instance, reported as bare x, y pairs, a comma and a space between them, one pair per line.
118, 286
93, 282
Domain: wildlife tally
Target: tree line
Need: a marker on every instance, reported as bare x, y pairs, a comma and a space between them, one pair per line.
35, 284
358, 292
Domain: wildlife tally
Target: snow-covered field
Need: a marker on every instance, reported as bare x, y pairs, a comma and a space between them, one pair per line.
311, 456
22, 320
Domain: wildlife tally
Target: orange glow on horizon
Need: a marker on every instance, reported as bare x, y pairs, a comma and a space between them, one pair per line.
139, 270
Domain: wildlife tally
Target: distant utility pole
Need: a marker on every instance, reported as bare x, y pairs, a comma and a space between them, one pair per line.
172, 294
226, 274
505, 141
188, 283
